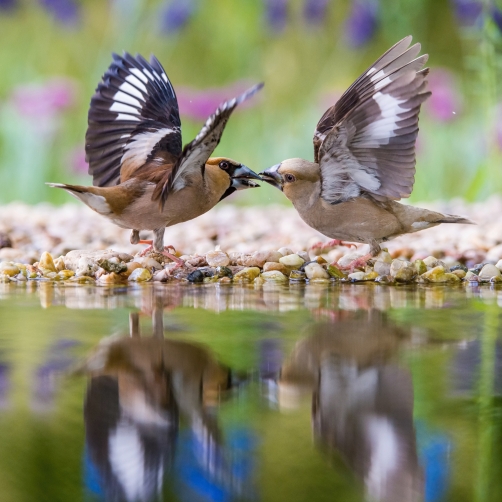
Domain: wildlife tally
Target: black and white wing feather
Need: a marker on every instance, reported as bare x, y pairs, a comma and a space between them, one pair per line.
366, 142
196, 153
133, 121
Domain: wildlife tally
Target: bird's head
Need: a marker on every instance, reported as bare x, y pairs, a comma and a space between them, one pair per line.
293, 176
231, 175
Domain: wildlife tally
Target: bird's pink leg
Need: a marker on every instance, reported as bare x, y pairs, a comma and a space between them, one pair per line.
362, 261
171, 256
331, 244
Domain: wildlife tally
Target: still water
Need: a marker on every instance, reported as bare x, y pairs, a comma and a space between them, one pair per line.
221, 393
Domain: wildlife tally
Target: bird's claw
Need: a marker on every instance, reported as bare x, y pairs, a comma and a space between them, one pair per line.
360, 262
331, 244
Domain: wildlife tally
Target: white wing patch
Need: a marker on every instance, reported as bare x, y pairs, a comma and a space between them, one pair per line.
122, 97
121, 107
143, 144
136, 82
380, 131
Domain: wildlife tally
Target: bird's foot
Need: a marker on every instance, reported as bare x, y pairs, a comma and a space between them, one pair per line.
321, 246
360, 262
166, 252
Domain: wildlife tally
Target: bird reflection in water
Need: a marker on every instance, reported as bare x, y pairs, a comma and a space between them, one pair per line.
139, 390
362, 402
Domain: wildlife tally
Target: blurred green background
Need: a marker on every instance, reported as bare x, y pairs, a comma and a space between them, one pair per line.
306, 51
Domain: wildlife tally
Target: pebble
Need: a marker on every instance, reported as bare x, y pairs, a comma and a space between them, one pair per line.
248, 274
402, 271
499, 264
292, 260
297, 275
271, 265
356, 276
315, 271
489, 271
257, 259
274, 276
46, 263
335, 272
8, 268
346, 260
284, 251
140, 275
217, 258
274, 256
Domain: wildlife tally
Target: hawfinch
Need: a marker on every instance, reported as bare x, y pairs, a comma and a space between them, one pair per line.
143, 179
364, 157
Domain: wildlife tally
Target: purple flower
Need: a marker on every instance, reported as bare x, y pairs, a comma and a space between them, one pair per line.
314, 11
198, 105
362, 22
467, 11
497, 17
176, 14
66, 12
276, 13
8, 5
445, 102
44, 100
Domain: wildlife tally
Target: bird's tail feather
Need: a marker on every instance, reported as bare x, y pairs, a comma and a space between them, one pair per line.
451, 218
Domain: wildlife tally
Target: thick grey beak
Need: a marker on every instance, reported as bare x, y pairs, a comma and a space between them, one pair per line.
243, 183
244, 173
272, 177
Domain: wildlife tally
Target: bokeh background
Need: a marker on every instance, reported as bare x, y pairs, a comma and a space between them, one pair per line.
53, 53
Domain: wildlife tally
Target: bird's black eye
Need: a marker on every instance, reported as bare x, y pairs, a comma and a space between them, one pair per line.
289, 178
224, 165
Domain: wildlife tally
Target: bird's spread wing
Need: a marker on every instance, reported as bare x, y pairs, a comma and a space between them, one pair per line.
134, 122
197, 152
366, 142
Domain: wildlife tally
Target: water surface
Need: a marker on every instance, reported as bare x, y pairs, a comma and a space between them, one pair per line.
231, 393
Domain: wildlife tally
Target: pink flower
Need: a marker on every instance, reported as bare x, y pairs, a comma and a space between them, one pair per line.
44, 100
76, 159
446, 101
200, 104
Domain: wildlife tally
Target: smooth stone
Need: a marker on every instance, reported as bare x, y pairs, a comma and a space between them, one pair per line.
489, 271
420, 267
335, 272
452, 277
384, 256
259, 281
225, 280
274, 256
224, 272
257, 259
247, 274
315, 271
140, 275
430, 261
46, 263
161, 275
217, 258
274, 276
319, 280
8, 268
499, 265
297, 275
144, 261
292, 261
320, 260
59, 264
66, 274
113, 278
370, 276
459, 273
271, 265
402, 271
20, 278
86, 262
382, 267
346, 260
303, 255
284, 251
116, 266
471, 277
460, 267
130, 267
496, 279
356, 276
436, 274
196, 276
4, 278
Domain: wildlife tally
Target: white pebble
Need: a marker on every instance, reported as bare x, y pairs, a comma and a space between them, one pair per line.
315, 271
